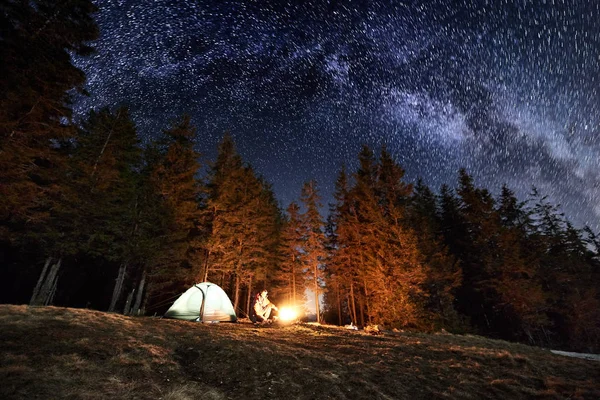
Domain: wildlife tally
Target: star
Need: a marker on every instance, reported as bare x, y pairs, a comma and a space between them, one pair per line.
509, 91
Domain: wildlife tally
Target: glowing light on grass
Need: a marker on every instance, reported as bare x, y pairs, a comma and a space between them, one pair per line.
287, 314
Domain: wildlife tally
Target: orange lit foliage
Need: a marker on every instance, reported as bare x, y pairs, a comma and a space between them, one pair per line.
290, 275
314, 240
376, 251
243, 220
173, 179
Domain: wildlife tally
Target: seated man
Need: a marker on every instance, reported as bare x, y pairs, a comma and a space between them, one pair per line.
263, 307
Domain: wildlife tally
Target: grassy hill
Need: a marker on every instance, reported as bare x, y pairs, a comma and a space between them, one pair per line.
57, 353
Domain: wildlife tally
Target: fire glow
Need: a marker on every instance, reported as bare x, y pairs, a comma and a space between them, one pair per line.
287, 314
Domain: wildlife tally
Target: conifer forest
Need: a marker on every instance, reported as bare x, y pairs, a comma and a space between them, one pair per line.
91, 216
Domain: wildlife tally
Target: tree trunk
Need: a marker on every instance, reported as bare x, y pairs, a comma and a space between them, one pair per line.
248, 305
48, 286
361, 309
237, 272
205, 275
316, 294
118, 287
487, 321
353, 303
127, 308
50, 298
145, 299
339, 303
367, 306
38, 286
236, 295
138, 300
105, 144
294, 282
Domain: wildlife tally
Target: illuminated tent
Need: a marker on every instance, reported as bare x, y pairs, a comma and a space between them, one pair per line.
203, 302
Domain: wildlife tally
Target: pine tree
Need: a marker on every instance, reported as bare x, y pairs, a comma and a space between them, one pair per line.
514, 274
227, 164
244, 224
105, 182
375, 256
593, 244
339, 268
454, 229
344, 249
568, 276
392, 190
173, 178
366, 221
152, 221
268, 221
291, 273
38, 39
444, 274
104, 179
479, 253
314, 240
398, 299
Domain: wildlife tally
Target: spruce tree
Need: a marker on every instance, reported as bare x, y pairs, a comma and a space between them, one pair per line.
338, 298
374, 257
244, 224
516, 274
593, 244
105, 164
227, 164
38, 39
291, 273
397, 257
567, 273
314, 240
104, 182
367, 223
173, 178
478, 253
444, 274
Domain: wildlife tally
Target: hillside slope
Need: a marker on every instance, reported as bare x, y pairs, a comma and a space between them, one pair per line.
61, 353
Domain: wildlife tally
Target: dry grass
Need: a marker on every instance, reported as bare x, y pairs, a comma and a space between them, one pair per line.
63, 353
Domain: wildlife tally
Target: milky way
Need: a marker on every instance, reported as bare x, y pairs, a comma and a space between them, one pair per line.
509, 91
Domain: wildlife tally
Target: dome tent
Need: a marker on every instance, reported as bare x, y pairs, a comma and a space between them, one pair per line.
204, 302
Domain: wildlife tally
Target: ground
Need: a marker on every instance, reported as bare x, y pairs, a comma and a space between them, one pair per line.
62, 353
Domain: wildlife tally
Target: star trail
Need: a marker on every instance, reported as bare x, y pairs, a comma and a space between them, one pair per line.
508, 90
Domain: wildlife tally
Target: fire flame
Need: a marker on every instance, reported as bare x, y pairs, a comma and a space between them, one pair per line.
287, 314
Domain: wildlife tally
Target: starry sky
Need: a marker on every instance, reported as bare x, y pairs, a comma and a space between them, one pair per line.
508, 89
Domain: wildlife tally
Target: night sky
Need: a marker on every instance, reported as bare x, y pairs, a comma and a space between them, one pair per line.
508, 89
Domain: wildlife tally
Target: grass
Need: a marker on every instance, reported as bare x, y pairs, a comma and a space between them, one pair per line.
61, 353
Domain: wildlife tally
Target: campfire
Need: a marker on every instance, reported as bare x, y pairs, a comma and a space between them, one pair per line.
287, 314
